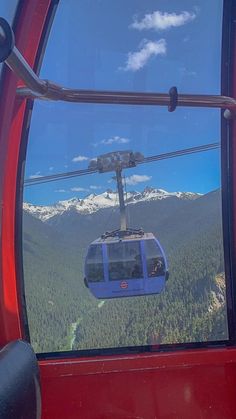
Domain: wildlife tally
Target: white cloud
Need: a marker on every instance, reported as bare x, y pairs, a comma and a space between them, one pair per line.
134, 179
79, 158
60, 190
78, 189
36, 175
115, 140
94, 187
51, 168
185, 72
163, 20
137, 60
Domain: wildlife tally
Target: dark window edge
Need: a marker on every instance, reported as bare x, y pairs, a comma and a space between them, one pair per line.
135, 350
228, 49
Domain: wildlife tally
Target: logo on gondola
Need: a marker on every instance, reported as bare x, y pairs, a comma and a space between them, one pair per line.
124, 285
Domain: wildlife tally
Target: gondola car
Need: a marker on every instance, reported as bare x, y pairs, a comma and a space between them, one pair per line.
123, 267
124, 262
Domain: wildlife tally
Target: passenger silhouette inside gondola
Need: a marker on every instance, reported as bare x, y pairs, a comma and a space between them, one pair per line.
157, 267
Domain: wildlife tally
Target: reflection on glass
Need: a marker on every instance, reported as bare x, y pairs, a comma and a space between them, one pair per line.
124, 261
94, 264
155, 261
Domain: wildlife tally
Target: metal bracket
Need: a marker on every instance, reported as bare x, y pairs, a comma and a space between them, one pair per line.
123, 233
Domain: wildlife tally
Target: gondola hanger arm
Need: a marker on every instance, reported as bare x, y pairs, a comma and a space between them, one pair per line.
36, 88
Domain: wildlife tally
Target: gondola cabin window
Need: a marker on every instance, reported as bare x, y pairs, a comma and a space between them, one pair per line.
155, 261
124, 261
122, 207
95, 271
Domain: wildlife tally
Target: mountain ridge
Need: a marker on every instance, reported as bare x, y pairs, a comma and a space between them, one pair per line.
94, 202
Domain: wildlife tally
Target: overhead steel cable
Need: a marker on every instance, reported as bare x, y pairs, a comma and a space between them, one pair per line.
58, 176
150, 159
192, 150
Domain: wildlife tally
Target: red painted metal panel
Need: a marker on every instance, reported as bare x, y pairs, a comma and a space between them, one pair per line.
196, 384
28, 33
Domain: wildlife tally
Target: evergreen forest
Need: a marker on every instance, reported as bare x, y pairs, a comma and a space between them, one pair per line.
63, 314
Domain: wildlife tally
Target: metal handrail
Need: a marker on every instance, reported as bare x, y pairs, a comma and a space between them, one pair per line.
36, 88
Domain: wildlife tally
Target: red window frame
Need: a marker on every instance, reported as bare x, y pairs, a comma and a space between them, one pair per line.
58, 374
15, 117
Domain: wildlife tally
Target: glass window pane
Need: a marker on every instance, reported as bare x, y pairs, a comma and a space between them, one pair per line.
125, 261
94, 264
178, 200
144, 46
155, 260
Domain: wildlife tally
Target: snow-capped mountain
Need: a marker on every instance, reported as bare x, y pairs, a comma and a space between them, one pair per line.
94, 202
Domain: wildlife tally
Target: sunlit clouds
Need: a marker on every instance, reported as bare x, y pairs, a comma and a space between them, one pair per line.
95, 187
186, 72
162, 20
135, 179
157, 21
116, 139
147, 50
36, 175
79, 189
77, 159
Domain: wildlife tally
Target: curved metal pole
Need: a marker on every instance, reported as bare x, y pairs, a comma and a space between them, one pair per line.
55, 92
25, 72
44, 89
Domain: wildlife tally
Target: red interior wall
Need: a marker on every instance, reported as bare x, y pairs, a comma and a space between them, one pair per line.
196, 384
193, 384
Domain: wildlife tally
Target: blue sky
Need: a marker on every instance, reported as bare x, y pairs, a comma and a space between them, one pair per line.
143, 46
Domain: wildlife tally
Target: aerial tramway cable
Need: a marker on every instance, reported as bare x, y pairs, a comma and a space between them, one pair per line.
150, 159
125, 262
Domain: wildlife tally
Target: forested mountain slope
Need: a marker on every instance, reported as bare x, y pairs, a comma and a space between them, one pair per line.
190, 232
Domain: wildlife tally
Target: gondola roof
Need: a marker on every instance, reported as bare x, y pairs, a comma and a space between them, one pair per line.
125, 237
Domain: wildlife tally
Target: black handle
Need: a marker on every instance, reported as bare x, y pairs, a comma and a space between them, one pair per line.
173, 92
7, 39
